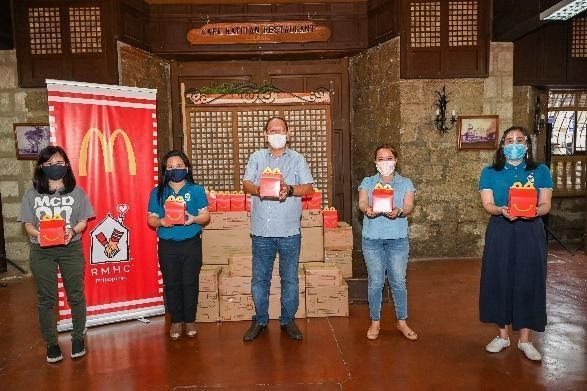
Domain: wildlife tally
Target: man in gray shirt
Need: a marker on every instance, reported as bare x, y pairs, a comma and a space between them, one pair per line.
275, 227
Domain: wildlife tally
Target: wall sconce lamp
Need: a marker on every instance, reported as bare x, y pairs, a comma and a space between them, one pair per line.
440, 119
539, 118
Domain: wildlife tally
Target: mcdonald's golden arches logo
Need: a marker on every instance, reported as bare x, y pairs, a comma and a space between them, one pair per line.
107, 150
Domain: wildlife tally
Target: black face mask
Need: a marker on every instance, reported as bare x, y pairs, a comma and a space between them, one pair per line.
176, 174
55, 172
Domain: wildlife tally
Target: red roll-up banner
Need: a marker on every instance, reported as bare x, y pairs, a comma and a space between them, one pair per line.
110, 135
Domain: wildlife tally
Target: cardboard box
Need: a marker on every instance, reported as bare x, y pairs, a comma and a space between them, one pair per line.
220, 244
241, 285
311, 218
174, 208
275, 307
330, 218
327, 301
229, 220
209, 278
243, 266
341, 258
52, 232
322, 274
236, 307
270, 183
208, 307
522, 200
382, 200
340, 238
312, 244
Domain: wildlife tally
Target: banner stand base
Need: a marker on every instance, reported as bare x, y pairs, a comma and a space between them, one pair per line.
122, 316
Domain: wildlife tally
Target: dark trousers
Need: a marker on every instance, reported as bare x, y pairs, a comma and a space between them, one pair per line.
44, 263
180, 263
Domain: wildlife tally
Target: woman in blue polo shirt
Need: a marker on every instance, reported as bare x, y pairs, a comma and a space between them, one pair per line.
513, 272
180, 246
385, 240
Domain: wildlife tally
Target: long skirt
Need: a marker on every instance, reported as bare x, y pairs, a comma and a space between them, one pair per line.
513, 274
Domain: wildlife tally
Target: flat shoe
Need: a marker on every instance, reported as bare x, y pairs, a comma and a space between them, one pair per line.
373, 333
190, 329
175, 331
408, 333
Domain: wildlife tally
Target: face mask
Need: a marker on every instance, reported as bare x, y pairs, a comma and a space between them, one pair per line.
277, 141
55, 172
176, 174
514, 151
386, 167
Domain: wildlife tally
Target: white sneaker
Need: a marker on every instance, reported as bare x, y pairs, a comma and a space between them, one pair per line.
497, 345
530, 351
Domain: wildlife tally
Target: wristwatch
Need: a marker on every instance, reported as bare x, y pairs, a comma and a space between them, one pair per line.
290, 190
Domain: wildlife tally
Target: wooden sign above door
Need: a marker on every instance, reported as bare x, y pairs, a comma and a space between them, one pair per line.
258, 32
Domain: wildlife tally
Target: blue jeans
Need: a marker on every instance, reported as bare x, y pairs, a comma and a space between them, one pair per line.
391, 256
264, 251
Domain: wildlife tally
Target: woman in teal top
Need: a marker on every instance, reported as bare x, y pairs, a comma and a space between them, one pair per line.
513, 271
180, 246
385, 240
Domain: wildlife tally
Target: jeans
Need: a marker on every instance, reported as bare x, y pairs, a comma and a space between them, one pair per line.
264, 251
181, 262
44, 263
391, 256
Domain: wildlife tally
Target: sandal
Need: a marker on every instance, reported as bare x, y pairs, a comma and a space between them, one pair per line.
190, 329
373, 333
408, 333
175, 331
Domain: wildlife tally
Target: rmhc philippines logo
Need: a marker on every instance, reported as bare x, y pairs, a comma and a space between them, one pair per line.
110, 239
107, 150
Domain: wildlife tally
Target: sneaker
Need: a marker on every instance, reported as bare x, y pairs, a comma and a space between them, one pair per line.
54, 353
530, 351
497, 345
77, 348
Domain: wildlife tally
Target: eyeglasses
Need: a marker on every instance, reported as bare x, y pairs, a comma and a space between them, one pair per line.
519, 140
61, 164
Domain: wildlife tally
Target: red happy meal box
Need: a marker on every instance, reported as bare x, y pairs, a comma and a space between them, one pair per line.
175, 210
223, 201
312, 200
51, 231
522, 200
330, 216
270, 183
211, 196
382, 198
237, 201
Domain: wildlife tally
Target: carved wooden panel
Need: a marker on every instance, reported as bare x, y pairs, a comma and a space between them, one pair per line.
425, 24
579, 38
44, 25
85, 30
462, 23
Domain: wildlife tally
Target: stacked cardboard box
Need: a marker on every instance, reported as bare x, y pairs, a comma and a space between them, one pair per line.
226, 235
208, 301
338, 247
326, 291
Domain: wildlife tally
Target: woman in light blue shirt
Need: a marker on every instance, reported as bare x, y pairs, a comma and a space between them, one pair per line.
385, 240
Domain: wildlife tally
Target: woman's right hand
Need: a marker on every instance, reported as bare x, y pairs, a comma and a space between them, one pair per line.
369, 212
506, 212
165, 223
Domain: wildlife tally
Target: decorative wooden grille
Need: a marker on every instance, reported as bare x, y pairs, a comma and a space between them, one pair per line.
425, 24
85, 29
222, 135
462, 23
579, 41
44, 30
561, 99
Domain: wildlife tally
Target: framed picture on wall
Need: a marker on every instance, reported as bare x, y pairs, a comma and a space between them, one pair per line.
477, 132
30, 139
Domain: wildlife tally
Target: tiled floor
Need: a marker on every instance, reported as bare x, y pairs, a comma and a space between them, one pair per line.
334, 354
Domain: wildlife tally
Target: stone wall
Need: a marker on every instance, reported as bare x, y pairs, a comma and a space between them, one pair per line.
16, 105
448, 220
137, 68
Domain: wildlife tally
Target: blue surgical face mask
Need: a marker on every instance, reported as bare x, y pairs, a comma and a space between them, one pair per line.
515, 151
54, 172
176, 174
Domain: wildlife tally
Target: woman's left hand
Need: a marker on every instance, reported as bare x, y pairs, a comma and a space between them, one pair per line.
393, 214
191, 219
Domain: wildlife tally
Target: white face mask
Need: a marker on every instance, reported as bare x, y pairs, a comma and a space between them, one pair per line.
386, 167
277, 141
